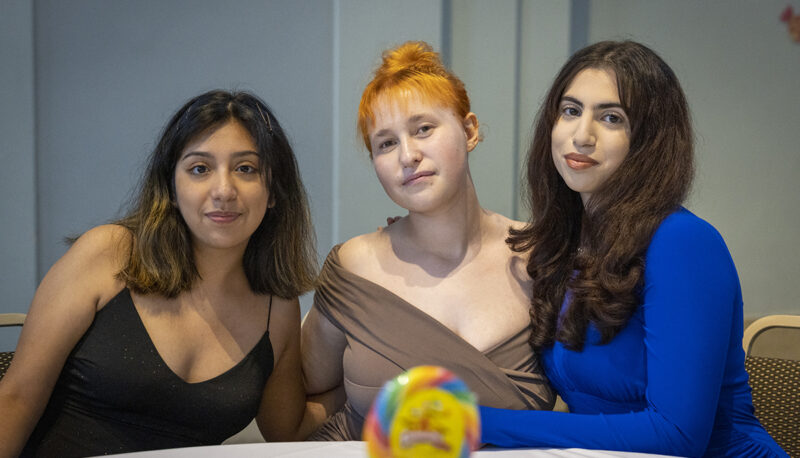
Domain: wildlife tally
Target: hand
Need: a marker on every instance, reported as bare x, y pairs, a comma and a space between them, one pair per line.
389, 221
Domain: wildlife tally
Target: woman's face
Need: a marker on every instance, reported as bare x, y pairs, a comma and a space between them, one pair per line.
591, 135
419, 150
220, 190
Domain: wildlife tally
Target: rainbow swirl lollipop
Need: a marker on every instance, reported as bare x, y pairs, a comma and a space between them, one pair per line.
425, 412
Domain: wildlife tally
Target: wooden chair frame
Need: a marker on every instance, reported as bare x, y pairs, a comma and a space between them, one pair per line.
767, 322
12, 319
774, 397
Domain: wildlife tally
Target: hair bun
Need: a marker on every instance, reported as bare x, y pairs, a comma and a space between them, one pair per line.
415, 56
413, 66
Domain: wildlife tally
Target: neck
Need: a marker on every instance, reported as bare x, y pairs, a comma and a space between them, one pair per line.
220, 270
452, 232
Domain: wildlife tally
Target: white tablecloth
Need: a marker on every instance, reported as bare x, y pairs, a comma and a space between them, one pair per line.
356, 450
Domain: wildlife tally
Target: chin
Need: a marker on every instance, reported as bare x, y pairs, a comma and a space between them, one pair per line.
222, 243
578, 186
419, 205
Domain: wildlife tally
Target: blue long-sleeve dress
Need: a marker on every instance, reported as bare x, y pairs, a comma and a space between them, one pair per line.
672, 381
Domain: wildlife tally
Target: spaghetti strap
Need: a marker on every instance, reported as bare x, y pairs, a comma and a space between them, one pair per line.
269, 311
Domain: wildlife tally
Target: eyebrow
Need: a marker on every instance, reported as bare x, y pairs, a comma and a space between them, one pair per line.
601, 106
413, 119
207, 155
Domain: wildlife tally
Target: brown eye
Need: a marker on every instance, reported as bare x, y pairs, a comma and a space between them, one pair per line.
613, 118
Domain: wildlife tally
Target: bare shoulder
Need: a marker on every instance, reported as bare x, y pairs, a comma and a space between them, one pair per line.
63, 308
84, 278
359, 254
109, 240
94, 260
500, 225
507, 222
515, 262
516, 225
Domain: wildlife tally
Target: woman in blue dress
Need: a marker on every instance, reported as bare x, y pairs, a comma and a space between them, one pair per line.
636, 307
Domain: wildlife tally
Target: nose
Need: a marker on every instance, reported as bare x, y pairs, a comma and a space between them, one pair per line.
410, 154
223, 189
584, 135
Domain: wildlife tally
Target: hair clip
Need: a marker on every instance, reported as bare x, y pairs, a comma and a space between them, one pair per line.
263, 118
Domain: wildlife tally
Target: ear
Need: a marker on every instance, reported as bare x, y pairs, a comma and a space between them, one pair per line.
471, 129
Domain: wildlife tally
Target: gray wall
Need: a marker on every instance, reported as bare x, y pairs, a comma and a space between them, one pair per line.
86, 85
18, 276
739, 70
109, 74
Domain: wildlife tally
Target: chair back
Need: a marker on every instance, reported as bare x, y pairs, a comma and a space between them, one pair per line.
775, 382
9, 319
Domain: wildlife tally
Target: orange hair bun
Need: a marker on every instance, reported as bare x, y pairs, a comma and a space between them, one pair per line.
411, 68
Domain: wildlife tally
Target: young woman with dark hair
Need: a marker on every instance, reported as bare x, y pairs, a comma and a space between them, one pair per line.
179, 323
636, 307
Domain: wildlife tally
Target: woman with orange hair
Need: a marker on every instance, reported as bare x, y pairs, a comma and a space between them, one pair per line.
439, 286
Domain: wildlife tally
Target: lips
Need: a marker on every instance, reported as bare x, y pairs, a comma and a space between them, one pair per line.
577, 161
415, 177
222, 217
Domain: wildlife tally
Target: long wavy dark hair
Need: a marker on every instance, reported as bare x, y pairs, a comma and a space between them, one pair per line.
280, 257
597, 251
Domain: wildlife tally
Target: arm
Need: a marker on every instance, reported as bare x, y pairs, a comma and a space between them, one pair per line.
690, 293
285, 391
281, 409
62, 310
323, 349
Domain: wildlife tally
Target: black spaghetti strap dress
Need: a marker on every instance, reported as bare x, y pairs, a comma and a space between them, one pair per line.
116, 395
